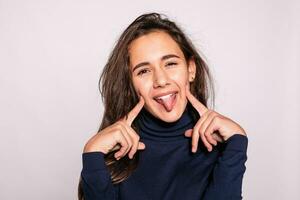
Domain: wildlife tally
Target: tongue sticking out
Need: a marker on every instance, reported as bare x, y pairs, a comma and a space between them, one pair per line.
167, 102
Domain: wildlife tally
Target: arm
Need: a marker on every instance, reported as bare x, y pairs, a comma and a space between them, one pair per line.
227, 175
96, 179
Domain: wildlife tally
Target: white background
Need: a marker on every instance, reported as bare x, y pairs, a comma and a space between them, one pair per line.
51, 56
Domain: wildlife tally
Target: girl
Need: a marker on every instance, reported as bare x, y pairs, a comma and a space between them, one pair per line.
158, 140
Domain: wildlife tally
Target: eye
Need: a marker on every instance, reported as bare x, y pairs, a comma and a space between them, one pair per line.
171, 63
143, 71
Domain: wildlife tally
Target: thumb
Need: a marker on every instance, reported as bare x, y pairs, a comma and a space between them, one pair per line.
141, 146
218, 137
188, 133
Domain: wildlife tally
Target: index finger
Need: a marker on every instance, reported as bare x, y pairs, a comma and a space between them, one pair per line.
195, 102
135, 111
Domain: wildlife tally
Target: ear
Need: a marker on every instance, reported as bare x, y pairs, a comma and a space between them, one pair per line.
191, 69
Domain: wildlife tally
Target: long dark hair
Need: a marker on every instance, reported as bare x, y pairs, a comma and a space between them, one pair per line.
117, 91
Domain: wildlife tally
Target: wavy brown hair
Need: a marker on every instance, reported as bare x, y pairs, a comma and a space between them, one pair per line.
117, 91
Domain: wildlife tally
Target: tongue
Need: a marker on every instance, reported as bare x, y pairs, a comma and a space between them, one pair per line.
167, 103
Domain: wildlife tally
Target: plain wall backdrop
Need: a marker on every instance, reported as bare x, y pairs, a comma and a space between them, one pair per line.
52, 54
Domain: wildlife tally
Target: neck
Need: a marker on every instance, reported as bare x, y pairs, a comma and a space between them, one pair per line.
153, 128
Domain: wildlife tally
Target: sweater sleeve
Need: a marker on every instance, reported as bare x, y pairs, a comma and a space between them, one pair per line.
227, 175
96, 180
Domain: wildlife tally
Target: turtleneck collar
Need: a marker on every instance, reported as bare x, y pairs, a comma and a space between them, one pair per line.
153, 128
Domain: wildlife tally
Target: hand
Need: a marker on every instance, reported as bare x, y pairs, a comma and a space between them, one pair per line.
212, 127
119, 135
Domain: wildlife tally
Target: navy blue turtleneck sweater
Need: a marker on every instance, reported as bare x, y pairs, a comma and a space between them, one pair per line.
168, 169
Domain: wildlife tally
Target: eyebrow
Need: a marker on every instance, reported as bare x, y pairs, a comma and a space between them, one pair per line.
165, 57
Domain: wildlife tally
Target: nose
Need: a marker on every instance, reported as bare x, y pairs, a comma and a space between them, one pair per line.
160, 78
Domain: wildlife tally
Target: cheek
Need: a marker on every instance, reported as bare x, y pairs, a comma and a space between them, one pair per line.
180, 78
142, 87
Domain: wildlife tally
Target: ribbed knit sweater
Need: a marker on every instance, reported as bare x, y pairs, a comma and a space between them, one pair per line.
167, 169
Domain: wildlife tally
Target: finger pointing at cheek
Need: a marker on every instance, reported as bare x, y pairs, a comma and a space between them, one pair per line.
199, 130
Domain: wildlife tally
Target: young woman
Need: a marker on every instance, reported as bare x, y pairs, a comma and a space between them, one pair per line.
158, 139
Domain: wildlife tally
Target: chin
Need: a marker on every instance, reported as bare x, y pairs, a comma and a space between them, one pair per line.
169, 117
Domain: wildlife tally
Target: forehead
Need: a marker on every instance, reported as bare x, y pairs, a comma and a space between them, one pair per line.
152, 46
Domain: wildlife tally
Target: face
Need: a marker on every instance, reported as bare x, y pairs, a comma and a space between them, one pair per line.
160, 74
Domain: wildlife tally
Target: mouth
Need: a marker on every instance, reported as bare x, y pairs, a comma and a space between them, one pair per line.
166, 100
